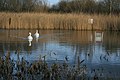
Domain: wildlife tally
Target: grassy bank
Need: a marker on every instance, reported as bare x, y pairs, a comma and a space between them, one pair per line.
58, 21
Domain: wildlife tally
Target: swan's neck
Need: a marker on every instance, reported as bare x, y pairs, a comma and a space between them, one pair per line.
36, 31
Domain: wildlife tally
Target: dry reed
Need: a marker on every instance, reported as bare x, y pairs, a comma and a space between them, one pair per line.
58, 21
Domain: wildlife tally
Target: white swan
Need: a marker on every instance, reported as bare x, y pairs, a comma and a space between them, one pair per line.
30, 38
36, 34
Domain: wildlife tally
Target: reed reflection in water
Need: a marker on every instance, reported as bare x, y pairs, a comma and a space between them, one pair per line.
100, 50
95, 47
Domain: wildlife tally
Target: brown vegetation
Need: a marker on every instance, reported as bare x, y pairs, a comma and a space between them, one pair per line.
38, 70
58, 21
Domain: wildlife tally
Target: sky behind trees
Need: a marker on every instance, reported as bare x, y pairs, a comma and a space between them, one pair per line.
53, 1
56, 1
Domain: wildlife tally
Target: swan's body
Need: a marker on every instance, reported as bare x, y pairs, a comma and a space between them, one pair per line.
30, 38
36, 34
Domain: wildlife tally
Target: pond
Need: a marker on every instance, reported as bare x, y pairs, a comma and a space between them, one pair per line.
97, 49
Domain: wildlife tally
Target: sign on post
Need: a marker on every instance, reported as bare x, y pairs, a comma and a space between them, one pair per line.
91, 21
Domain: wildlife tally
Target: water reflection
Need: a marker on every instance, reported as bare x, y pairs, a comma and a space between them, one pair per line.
92, 47
98, 36
30, 43
37, 39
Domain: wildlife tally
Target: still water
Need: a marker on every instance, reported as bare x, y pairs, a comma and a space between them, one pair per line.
95, 48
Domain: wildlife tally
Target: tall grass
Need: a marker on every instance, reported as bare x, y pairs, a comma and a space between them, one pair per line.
58, 21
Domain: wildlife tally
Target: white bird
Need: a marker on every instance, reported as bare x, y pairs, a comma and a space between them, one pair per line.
36, 34
30, 38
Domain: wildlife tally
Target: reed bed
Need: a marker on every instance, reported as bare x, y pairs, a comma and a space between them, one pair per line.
58, 21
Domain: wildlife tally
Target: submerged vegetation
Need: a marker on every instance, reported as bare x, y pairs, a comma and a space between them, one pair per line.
58, 21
